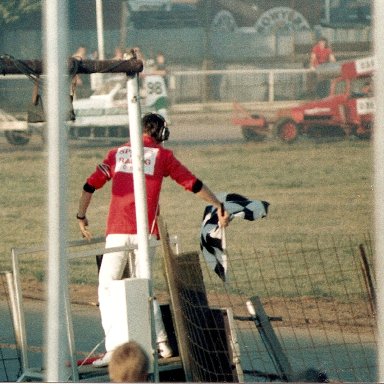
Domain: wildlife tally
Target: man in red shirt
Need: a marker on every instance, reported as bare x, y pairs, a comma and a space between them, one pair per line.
159, 162
321, 53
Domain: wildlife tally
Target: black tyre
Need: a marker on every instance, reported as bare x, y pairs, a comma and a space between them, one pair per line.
17, 137
287, 130
251, 134
364, 132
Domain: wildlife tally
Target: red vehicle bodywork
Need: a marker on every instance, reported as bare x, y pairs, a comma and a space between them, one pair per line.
347, 110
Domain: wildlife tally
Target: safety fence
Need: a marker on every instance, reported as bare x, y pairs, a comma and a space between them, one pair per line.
290, 315
103, 118
25, 330
10, 359
196, 86
295, 314
244, 85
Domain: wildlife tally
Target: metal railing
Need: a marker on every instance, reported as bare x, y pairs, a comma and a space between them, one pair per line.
201, 86
93, 248
244, 85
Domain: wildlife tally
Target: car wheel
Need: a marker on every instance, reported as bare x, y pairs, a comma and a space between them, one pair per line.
224, 21
17, 137
364, 132
287, 130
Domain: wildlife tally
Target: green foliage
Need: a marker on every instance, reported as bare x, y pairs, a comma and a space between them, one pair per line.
13, 10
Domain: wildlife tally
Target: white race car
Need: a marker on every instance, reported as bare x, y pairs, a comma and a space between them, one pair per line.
101, 117
104, 115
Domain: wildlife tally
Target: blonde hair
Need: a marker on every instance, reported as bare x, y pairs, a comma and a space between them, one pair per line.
129, 364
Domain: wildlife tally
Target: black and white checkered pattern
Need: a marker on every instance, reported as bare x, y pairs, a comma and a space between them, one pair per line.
211, 236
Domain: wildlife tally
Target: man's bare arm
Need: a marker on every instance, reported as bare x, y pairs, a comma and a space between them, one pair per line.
84, 201
207, 195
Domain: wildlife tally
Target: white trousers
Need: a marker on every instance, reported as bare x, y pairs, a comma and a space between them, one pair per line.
112, 268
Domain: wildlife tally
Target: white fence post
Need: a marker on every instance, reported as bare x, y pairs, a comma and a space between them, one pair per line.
271, 86
379, 180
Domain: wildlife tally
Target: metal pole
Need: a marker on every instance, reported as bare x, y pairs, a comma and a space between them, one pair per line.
135, 132
378, 14
327, 7
100, 28
123, 25
97, 78
14, 67
136, 138
20, 311
71, 339
14, 311
55, 39
271, 88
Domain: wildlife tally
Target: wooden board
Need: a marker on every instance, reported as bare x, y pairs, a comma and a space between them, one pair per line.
201, 330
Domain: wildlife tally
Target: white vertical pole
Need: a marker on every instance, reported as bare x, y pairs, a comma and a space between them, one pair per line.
327, 7
100, 28
97, 78
378, 15
271, 87
136, 138
57, 95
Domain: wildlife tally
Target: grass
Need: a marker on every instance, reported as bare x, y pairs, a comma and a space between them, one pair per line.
316, 190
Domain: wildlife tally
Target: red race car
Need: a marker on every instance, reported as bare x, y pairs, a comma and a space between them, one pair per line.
347, 109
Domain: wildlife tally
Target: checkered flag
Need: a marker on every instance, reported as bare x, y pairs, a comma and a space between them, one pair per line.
211, 236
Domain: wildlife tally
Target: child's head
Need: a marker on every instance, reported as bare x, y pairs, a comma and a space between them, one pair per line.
323, 42
129, 364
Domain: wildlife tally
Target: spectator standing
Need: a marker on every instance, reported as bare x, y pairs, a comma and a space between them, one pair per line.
160, 67
321, 53
81, 53
157, 98
81, 85
118, 55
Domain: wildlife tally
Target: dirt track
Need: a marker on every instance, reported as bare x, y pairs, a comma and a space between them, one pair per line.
189, 123
301, 312
198, 127
191, 127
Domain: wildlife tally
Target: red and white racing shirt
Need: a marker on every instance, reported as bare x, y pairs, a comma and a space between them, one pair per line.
159, 162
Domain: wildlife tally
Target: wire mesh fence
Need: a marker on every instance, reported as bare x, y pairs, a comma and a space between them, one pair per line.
301, 313
10, 363
319, 321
